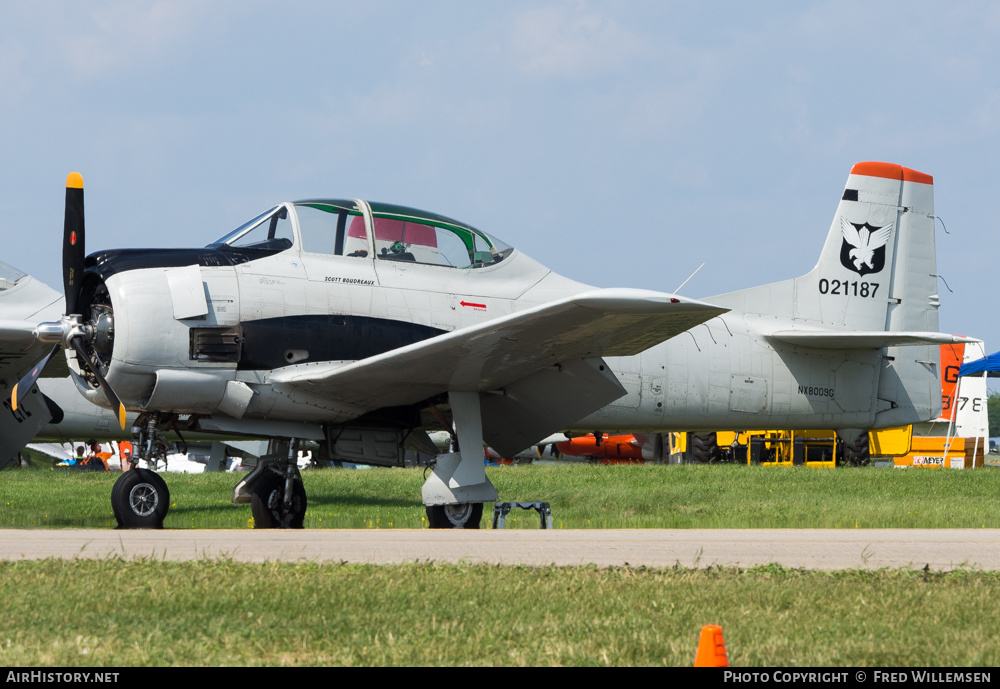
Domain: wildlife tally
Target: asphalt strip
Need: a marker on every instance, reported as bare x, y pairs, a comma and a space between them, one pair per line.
827, 549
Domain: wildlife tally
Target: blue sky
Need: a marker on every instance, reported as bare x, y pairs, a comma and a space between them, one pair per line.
621, 143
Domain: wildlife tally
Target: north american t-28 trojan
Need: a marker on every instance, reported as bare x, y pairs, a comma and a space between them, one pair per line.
361, 326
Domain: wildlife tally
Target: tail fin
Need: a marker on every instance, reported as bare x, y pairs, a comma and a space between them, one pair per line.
874, 288
877, 268
887, 209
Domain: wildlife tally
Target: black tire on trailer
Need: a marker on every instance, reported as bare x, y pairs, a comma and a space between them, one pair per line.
705, 448
857, 453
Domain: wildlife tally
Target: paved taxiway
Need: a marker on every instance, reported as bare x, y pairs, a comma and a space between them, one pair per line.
940, 549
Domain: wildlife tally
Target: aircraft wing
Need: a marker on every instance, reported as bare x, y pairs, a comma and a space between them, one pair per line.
488, 356
19, 350
24, 302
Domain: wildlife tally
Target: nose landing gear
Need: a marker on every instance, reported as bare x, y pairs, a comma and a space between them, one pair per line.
140, 498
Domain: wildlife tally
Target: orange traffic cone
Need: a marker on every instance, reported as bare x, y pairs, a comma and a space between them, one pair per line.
711, 648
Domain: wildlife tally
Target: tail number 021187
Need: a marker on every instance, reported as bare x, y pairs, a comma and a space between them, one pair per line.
848, 288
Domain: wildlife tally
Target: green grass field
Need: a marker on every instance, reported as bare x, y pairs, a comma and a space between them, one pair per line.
117, 613
581, 495
114, 613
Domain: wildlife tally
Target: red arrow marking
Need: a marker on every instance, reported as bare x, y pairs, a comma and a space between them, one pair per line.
469, 303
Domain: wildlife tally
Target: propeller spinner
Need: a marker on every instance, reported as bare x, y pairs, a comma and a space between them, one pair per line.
71, 331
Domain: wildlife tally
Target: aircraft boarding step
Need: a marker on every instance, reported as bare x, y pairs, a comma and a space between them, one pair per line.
502, 509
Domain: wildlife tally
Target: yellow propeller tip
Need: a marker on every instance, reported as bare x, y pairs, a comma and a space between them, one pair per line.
13, 398
74, 180
121, 415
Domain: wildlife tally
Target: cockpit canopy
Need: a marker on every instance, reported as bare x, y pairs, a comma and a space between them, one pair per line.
360, 230
9, 276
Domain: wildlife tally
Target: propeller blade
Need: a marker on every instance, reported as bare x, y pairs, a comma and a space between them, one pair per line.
116, 403
73, 241
22, 386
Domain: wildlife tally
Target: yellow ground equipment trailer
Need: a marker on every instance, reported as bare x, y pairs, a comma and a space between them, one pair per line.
814, 448
822, 448
785, 448
905, 449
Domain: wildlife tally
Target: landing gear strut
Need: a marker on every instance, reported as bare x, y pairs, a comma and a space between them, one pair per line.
455, 491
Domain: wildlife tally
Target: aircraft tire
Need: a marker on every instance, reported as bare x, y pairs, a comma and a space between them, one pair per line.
466, 515
140, 499
267, 498
114, 499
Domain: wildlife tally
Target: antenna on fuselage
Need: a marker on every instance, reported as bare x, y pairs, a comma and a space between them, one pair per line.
689, 278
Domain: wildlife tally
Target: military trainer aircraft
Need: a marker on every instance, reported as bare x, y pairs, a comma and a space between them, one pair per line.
363, 325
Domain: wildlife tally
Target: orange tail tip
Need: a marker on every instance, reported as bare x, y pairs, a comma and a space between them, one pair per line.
891, 171
74, 180
711, 648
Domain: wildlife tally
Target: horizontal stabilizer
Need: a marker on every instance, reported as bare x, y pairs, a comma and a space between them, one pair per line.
824, 339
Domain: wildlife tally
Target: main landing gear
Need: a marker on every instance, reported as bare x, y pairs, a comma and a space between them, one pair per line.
274, 490
455, 491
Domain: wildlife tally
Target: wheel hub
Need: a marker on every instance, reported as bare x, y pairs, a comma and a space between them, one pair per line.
283, 514
459, 514
143, 499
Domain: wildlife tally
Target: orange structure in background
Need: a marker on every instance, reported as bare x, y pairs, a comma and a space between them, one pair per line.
611, 449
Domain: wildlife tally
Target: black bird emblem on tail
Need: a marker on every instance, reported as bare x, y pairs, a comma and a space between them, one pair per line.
863, 250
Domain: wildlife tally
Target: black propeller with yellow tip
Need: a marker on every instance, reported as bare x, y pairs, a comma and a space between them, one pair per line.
74, 251
71, 331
